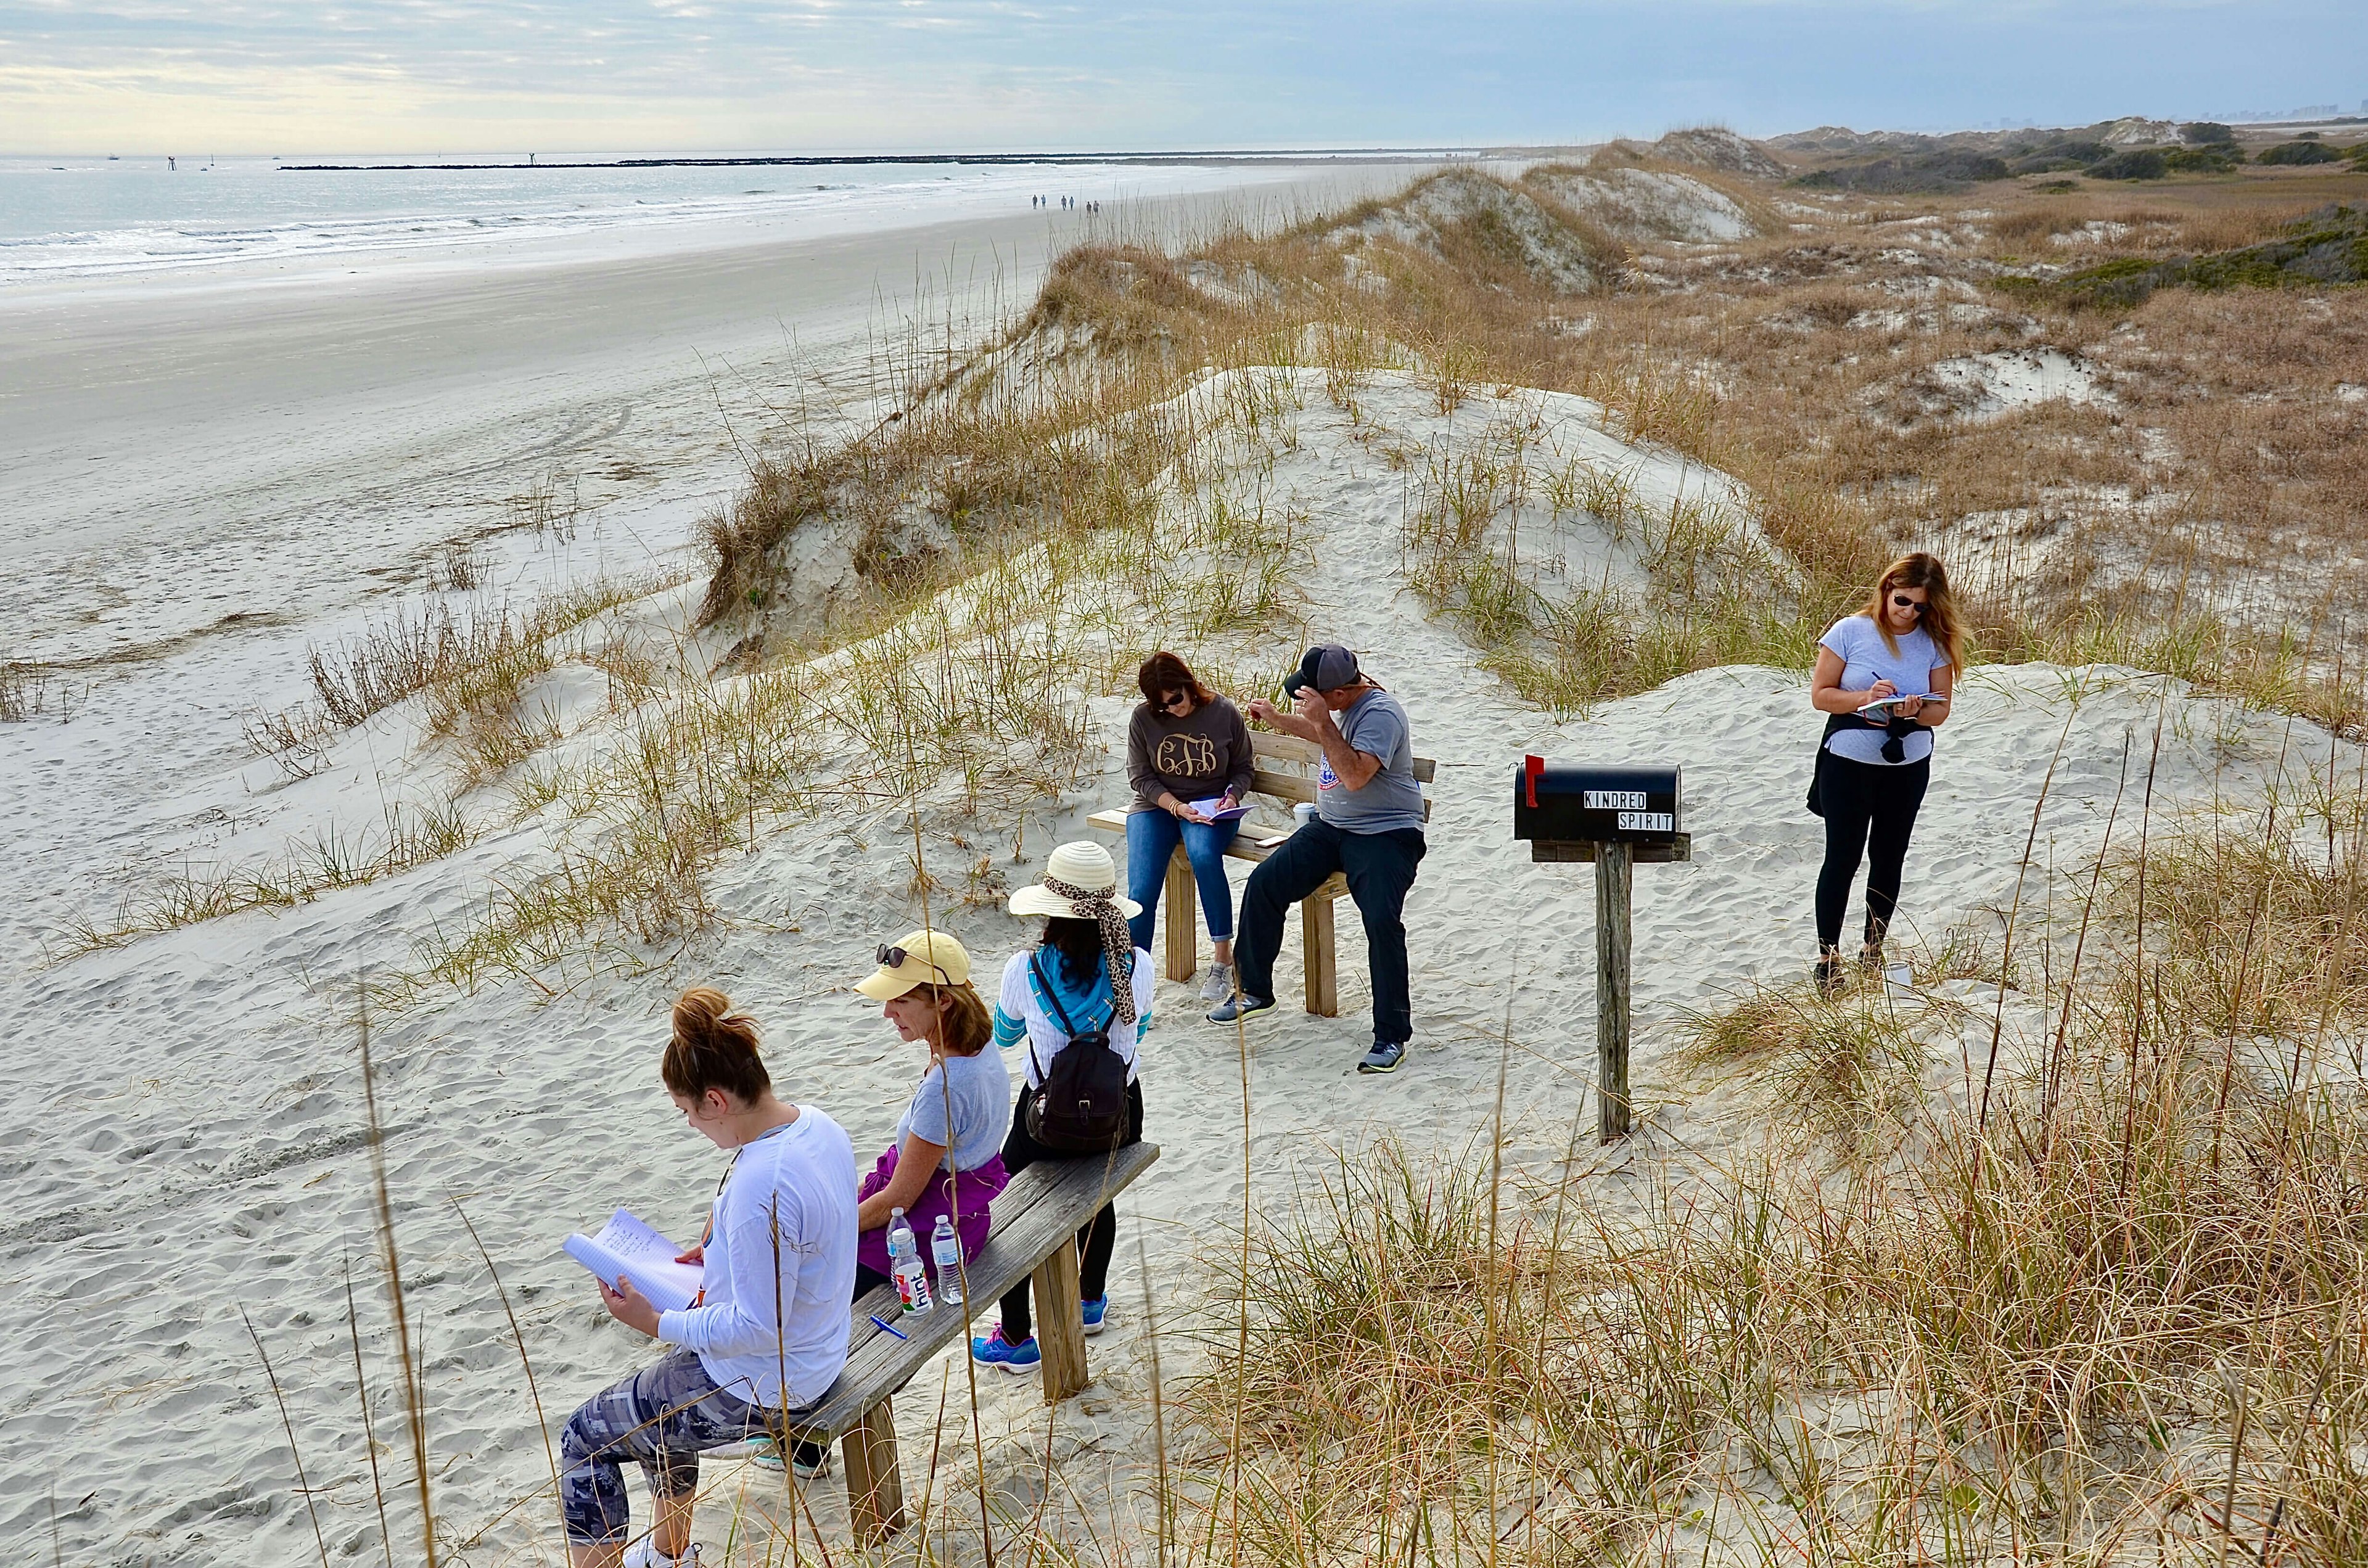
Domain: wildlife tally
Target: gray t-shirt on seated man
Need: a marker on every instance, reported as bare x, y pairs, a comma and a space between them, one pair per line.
1375, 725
980, 1093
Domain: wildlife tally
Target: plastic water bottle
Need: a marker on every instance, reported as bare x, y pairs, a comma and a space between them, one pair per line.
946, 1248
905, 1265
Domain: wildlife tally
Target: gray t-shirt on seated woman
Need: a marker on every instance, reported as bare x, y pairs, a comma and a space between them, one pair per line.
980, 1088
1865, 660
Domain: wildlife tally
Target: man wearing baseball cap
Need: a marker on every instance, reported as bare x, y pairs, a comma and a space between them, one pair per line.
1368, 827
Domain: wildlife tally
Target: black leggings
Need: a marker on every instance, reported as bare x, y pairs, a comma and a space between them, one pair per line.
1094, 1242
1869, 810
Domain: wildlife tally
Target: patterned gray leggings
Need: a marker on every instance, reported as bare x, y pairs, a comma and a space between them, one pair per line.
661, 1418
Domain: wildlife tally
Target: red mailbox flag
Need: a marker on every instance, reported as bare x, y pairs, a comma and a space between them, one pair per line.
1532, 769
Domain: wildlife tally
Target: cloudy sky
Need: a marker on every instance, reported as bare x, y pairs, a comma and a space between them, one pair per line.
281, 76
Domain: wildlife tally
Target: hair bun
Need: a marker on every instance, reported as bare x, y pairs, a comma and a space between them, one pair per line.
697, 1010
712, 1047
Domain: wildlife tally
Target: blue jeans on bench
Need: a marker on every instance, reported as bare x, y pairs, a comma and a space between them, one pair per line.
1380, 869
1151, 840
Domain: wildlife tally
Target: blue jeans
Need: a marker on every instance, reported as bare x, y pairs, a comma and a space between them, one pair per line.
1380, 867
1151, 840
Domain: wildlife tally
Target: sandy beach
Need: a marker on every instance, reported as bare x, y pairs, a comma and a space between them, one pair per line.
198, 1150
210, 480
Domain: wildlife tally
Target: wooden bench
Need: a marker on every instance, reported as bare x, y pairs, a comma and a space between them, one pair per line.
1037, 1219
1285, 770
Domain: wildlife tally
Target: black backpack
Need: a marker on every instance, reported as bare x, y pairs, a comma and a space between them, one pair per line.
1081, 1109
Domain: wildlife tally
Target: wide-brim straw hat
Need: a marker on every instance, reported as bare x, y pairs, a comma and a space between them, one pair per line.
929, 958
1083, 865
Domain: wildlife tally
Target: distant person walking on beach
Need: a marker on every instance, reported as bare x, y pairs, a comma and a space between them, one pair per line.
767, 1334
1185, 747
1368, 827
1902, 652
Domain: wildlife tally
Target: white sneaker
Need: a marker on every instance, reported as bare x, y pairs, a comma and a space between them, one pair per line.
1219, 984
645, 1553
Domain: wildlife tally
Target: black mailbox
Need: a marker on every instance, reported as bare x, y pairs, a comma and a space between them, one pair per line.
1567, 803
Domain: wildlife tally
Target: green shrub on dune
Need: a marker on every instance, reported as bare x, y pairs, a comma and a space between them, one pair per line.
2138, 163
2329, 246
2298, 153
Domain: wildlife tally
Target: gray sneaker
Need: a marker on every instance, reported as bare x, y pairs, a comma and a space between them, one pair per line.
1218, 983
1232, 1009
1384, 1058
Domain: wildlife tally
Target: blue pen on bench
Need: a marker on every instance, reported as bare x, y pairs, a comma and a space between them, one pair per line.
879, 1321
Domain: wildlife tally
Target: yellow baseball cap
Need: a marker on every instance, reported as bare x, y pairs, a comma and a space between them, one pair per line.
924, 958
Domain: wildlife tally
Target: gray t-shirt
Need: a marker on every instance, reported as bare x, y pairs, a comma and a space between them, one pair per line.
1865, 660
981, 1091
1375, 725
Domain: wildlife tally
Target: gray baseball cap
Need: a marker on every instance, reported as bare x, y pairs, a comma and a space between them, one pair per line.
1324, 666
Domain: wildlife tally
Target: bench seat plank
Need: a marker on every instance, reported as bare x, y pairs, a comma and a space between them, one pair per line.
1047, 1203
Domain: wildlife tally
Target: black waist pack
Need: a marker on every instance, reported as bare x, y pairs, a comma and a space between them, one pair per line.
1895, 733
1081, 1109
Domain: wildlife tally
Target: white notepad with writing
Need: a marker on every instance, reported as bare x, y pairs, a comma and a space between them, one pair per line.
627, 1248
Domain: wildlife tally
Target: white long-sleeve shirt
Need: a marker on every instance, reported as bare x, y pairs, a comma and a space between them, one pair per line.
801, 1176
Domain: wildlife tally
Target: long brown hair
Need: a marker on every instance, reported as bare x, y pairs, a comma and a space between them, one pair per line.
1940, 621
967, 1027
1165, 672
713, 1048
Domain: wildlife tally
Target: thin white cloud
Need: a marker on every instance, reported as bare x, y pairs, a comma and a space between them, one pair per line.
423, 75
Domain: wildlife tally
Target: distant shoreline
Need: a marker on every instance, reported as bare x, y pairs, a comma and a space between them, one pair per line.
817, 160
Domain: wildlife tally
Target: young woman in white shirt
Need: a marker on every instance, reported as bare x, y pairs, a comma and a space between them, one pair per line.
768, 1333
1872, 768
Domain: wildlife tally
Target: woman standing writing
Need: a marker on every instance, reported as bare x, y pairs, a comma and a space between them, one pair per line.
1184, 744
1901, 651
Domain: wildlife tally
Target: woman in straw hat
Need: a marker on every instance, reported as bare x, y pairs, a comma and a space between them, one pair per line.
1084, 966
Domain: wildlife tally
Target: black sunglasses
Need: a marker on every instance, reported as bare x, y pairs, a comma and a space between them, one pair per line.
1168, 700
1904, 602
894, 957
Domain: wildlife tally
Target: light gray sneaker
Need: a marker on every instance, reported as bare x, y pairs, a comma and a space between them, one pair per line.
1218, 983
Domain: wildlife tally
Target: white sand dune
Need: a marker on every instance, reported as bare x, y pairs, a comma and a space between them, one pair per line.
184, 1130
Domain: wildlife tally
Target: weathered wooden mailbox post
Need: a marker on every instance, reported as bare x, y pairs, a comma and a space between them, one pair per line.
1616, 817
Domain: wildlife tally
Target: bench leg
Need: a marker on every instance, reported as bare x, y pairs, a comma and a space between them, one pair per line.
1321, 963
875, 1489
1183, 918
1060, 1323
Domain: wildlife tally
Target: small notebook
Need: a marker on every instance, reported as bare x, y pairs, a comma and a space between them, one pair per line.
627, 1247
1209, 809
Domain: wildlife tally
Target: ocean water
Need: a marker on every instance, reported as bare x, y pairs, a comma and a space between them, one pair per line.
75, 217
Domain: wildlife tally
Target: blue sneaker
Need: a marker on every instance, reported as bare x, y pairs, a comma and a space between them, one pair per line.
1384, 1058
996, 1351
1235, 1008
1097, 1313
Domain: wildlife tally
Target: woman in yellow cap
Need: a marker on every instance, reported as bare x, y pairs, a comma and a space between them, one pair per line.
948, 1154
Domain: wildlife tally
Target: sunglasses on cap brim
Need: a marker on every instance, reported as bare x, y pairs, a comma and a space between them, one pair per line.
895, 958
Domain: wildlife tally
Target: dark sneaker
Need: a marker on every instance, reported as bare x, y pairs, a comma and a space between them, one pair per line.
1232, 1009
1384, 1058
